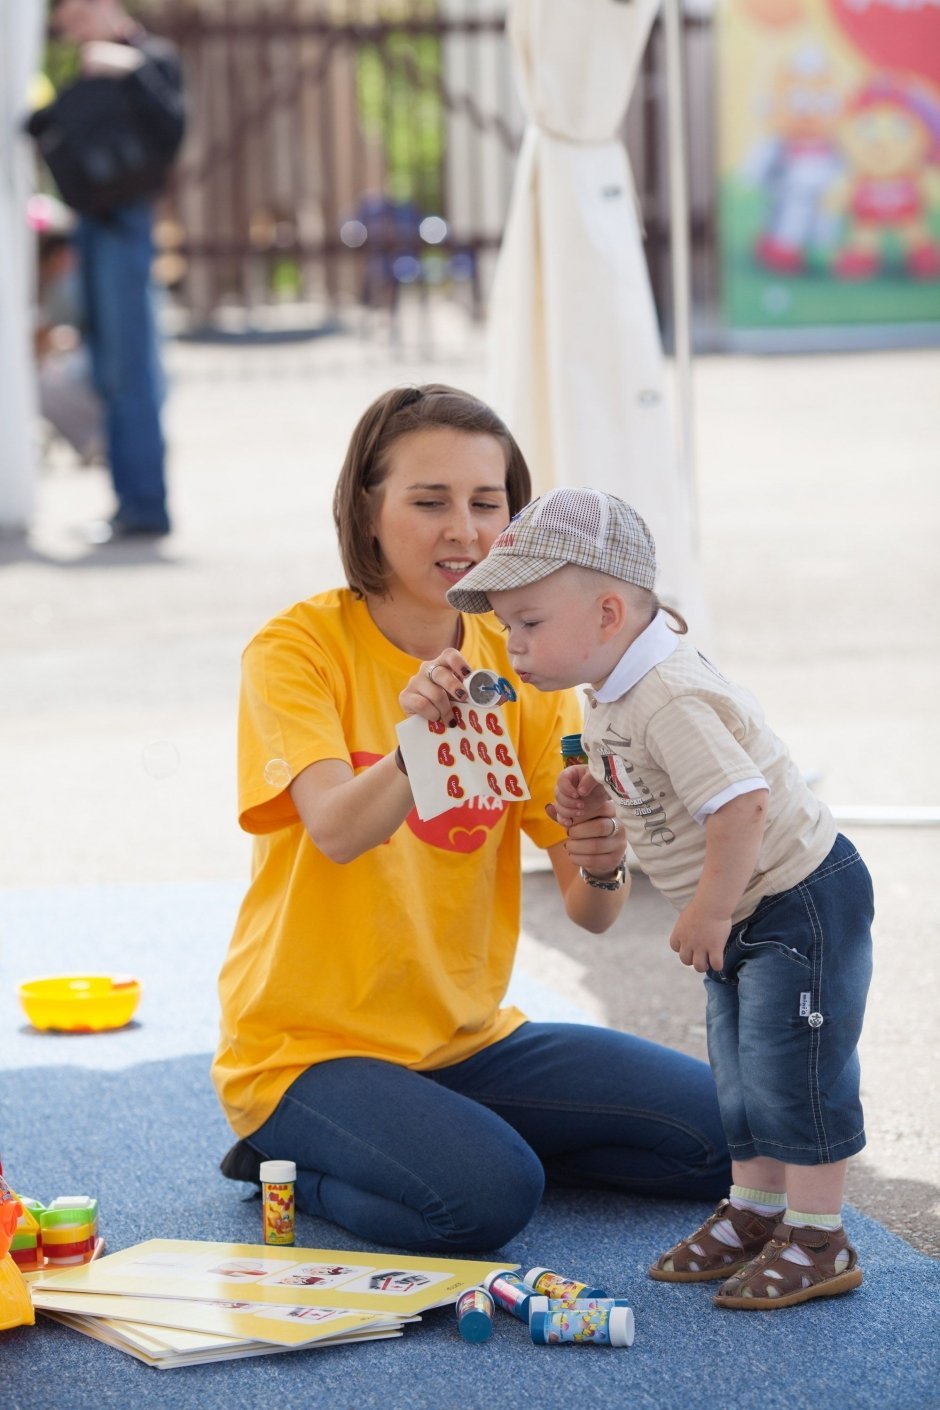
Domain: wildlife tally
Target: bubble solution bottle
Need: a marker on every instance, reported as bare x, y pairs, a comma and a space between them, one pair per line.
277, 1200
586, 1324
572, 750
475, 1310
556, 1285
510, 1292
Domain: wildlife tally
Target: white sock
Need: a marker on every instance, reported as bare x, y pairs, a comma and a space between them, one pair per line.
764, 1202
794, 1254
761, 1201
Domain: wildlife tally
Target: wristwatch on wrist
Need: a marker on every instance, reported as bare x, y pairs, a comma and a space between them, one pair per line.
606, 883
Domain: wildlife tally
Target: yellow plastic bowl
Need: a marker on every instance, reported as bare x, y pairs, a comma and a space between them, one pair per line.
80, 1003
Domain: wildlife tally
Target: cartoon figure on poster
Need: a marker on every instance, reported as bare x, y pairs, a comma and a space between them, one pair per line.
829, 135
796, 164
891, 139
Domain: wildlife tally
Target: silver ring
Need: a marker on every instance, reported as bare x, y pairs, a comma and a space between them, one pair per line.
613, 827
429, 672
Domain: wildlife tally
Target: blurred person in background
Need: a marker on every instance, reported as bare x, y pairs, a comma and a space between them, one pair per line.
67, 399
109, 140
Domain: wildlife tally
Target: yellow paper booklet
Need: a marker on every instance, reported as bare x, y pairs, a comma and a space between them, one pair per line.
286, 1326
167, 1347
242, 1299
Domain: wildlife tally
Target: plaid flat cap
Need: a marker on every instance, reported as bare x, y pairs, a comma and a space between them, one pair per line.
589, 528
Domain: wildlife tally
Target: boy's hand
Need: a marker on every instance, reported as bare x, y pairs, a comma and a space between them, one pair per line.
567, 804
700, 940
578, 796
732, 845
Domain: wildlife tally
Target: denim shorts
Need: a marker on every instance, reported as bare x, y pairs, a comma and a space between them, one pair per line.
785, 1013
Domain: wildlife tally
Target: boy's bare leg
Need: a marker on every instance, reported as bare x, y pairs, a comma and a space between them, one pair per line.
816, 1189
761, 1173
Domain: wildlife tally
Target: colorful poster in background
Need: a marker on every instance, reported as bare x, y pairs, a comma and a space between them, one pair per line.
829, 155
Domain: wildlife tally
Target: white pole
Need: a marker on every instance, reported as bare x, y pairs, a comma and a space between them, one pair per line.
20, 45
885, 815
679, 249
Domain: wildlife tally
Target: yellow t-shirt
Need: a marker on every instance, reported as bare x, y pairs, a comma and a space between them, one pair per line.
405, 953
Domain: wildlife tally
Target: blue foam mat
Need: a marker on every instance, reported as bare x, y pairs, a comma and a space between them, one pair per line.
131, 1118
146, 1141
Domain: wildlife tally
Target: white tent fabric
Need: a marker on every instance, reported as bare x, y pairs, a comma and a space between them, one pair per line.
21, 28
575, 360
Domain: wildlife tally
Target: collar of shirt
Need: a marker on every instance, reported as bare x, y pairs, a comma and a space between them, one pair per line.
650, 648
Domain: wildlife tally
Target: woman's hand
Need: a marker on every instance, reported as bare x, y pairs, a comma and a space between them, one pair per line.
598, 844
596, 841
436, 684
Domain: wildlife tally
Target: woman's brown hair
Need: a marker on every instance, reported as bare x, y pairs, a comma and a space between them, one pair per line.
395, 414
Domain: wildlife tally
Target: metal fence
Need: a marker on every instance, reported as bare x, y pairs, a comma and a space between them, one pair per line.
342, 151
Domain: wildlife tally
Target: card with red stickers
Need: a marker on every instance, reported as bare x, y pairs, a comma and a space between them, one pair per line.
449, 764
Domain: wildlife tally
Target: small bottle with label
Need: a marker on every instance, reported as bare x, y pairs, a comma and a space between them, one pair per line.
555, 1285
475, 1310
539, 1303
600, 1326
277, 1200
572, 750
510, 1292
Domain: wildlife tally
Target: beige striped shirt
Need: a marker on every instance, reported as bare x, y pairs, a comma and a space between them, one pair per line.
682, 737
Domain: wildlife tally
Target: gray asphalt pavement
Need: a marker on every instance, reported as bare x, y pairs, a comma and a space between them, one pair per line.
819, 502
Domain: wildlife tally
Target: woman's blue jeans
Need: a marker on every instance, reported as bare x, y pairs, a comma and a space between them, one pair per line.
456, 1159
115, 255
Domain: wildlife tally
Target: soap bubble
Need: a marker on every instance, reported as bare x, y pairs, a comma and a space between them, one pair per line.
433, 229
160, 758
353, 233
406, 269
461, 266
277, 773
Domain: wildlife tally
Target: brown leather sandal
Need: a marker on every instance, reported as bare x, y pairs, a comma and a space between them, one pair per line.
702, 1256
770, 1280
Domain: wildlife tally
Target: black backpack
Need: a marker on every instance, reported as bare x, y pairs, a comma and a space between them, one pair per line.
102, 149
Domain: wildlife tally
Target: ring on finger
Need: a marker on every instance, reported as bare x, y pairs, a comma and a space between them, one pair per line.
613, 827
429, 672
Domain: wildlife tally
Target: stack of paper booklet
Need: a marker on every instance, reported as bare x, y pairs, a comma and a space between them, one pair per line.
174, 1302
